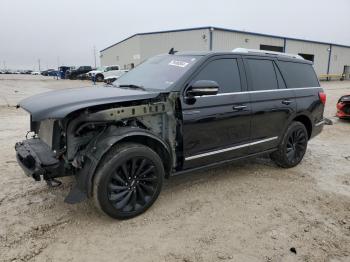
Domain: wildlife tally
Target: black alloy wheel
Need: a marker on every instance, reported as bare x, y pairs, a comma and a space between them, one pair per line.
133, 184
292, 147
296, 145
128, 181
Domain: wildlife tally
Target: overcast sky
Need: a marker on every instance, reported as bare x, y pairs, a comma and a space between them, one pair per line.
65, 31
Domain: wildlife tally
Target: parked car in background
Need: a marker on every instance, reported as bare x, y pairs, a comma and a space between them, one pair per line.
343, 107
115, 76
102, 72
35, 73
53, 73
72, 74
84, 76
62, 71
46, 72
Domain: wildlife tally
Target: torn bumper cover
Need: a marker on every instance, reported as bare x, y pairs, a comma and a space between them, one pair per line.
36, 158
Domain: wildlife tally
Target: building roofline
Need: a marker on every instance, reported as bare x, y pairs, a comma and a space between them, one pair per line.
226, 30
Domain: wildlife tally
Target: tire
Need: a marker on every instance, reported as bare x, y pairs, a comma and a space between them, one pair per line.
293, 146
99, 78
128, 180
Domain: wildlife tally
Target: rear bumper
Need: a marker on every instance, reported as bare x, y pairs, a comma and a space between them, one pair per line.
36, 158
342, 114
317, 128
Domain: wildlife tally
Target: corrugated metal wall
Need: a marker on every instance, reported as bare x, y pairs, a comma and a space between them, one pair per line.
140, 47
340, 57
193, 40
320, 52
226, 41
122, 54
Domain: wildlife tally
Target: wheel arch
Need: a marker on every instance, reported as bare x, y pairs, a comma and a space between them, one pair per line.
306, 121
100, 147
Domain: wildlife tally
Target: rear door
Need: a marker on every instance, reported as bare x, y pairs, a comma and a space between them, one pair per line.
217, 127
272, 103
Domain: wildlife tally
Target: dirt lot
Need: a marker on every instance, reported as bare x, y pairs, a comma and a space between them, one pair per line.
248, 211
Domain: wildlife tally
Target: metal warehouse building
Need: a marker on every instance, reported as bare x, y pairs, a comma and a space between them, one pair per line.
328, 58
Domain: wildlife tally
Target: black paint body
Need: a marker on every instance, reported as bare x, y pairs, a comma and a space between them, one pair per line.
212, 129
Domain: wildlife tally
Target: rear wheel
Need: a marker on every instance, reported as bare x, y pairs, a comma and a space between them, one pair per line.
128, 181
293, 146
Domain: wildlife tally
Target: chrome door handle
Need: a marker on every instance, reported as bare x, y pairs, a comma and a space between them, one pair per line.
287, 102
239, 107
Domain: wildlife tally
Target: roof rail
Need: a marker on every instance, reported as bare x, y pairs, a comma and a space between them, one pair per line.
257, 51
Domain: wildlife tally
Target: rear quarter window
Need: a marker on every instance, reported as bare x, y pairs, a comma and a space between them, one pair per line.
298, 75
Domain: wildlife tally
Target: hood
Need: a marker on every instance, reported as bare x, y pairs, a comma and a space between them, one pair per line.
95, 72
58, 104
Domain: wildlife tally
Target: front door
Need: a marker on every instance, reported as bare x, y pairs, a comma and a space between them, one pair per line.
217, 127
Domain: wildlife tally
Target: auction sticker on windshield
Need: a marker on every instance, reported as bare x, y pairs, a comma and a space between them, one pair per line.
178, 63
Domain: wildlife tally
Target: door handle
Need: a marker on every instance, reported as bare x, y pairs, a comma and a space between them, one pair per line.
287, 102
239, 107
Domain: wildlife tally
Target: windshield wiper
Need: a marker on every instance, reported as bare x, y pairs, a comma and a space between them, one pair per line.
132, 86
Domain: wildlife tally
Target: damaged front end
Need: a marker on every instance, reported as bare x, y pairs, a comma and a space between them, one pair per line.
75, 144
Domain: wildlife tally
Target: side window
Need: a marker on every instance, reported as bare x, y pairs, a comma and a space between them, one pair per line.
114, 68
263, 76
298, 74
223, 71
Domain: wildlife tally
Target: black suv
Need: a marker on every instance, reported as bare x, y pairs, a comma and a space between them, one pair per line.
172, 114
73, 74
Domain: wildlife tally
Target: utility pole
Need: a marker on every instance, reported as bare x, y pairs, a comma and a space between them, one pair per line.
4, 65
95, 55
39, 64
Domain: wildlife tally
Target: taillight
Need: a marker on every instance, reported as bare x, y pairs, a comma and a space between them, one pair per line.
322, 97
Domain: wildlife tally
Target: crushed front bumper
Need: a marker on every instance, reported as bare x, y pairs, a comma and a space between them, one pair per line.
36, 158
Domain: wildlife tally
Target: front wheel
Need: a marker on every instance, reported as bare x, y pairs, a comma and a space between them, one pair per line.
128, 181
99, 78
293, 146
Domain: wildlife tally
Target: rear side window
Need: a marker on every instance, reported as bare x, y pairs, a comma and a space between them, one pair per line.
298, 75
263, 74
223, 71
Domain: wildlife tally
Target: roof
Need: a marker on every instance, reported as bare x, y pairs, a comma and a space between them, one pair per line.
223, 29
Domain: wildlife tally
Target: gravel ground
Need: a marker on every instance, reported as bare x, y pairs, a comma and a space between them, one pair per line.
248, 211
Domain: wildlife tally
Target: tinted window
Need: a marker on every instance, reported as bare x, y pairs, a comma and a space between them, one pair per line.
263, 74
298, 75
224, 72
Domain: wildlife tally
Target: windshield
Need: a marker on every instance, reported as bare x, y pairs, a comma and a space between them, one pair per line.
102, 68
158, 72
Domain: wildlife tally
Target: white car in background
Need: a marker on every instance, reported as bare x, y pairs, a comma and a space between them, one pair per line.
102, 72
35, 73
115, 76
